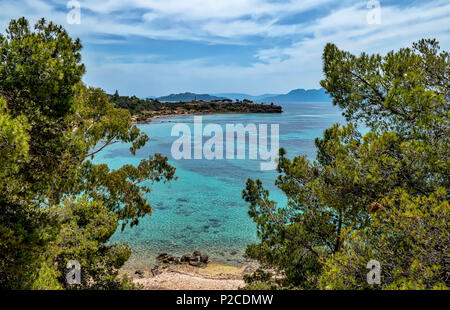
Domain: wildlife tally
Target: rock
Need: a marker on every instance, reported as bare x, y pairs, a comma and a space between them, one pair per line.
204, 258
166, 258
162, 256
194, 259
155, 271
176, 260
195, 263
186, 258
233, 252
197, 253
140, 273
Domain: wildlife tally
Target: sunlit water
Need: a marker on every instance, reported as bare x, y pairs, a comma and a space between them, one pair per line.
204, 210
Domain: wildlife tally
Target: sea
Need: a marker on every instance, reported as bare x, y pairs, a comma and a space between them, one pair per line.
204, 209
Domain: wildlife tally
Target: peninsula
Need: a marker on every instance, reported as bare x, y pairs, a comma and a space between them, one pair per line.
144, 110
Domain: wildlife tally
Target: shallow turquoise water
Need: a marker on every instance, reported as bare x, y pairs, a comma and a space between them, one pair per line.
204, 208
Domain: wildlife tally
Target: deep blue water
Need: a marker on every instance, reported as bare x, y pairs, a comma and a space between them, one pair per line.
204, 208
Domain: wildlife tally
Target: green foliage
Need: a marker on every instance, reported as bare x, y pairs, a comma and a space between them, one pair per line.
327, 232
261, 280
14, 142
56, 204
86, 227
142, 110
409, 236
405, 91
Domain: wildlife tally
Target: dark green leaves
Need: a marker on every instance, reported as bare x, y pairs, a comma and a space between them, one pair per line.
56, 205
379, 196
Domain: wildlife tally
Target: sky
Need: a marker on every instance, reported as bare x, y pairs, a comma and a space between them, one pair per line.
158, 47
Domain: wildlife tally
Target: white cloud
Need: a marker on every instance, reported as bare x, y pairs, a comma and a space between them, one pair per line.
278, 69
205, 20
205, 9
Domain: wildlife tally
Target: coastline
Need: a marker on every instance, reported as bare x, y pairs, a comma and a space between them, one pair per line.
134, 120
185, 277
189, 272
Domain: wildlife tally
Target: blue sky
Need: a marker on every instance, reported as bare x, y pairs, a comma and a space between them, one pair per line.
158, 47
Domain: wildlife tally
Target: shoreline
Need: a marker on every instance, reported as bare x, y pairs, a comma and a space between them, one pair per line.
187, 272
163, 116
214, 276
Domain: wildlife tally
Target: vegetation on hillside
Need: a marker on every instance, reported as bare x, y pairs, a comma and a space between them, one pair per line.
380, 196
143, 110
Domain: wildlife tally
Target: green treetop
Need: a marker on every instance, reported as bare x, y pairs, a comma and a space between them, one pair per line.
386, 189
56, 204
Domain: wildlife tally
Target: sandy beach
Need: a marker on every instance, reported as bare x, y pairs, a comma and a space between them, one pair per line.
185, 277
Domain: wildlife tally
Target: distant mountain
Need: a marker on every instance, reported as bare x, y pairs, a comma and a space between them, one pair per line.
240, 96
296, 95
187, 97
301, 95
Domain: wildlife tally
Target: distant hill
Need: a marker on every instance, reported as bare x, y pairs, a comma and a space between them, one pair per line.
144, 110
301, 95
188, 97
296, 95
241, 96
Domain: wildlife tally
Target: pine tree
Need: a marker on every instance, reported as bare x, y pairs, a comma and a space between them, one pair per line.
56, 205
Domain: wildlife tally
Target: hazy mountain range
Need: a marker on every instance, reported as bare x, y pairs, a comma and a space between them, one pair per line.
302, 95
296, 95
186, 97
242, 96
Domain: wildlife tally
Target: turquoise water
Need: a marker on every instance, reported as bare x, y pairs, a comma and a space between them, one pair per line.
204, 210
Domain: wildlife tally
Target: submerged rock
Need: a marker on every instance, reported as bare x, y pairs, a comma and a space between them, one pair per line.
140, 273
162, 256
195, 263
186, 258
155, 271
204, 258
194, 259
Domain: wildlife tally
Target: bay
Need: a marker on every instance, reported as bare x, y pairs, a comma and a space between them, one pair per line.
204, 210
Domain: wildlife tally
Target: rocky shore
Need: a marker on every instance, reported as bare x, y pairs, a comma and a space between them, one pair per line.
189, 272
137, 119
